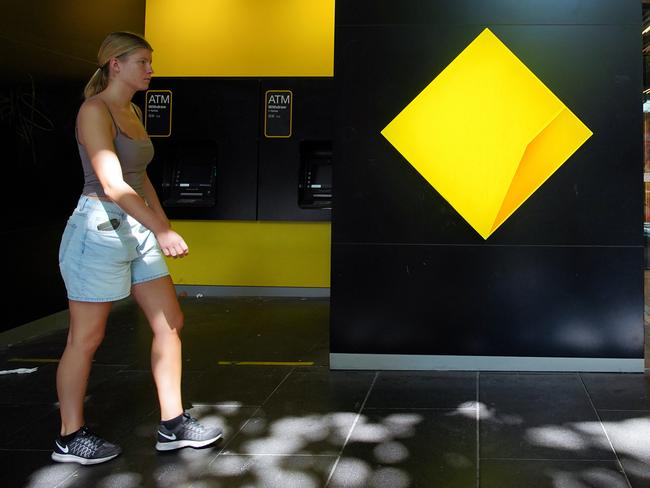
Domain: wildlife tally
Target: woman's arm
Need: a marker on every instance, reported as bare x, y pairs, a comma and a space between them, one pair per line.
151, 197
96, 134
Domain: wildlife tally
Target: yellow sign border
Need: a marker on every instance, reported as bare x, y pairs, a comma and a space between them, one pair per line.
290, 114
146, 105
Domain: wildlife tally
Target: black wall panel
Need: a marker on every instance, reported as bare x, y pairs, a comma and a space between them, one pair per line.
386, 200
566, 265
446, 12
48, 52
543, 301
280, 158
257, 177
224, 111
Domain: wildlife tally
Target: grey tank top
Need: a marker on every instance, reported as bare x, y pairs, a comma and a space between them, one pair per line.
134, 156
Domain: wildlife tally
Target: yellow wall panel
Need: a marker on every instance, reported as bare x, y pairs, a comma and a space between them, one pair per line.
241, 37
253, 254
254, 38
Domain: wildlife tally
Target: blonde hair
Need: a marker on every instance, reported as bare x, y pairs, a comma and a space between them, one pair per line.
116, 45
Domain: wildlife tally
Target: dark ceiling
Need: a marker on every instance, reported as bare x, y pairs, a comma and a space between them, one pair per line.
58, 39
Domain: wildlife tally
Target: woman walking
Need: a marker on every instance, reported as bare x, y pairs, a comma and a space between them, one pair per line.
113, 246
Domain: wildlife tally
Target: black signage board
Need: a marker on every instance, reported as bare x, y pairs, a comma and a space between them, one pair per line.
277, 113
158, 113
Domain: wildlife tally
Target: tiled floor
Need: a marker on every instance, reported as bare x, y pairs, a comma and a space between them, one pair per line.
304, 426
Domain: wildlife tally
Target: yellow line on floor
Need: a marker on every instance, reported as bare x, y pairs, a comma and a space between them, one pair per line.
266, 363
32, 360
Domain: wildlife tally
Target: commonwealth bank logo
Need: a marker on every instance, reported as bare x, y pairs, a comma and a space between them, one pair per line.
486, 133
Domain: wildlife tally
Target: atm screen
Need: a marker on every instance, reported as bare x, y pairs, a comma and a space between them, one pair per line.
195, 175
321, 176
315, 178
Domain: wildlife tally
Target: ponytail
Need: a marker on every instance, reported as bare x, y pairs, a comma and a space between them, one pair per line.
98, 82
115, 45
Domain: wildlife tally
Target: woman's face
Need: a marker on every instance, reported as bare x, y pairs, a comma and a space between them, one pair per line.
135, 70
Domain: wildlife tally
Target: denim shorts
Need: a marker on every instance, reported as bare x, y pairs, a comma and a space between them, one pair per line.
104, 251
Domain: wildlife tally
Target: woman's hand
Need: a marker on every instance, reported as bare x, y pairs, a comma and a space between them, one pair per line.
172, 244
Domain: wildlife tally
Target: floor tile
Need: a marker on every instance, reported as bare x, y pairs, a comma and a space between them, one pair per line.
317, 390
423, 389
237, 385
16, 418
36, 387
34, 469
242, 329
310, 413
273, 431
124, 389
622, 391
5, 364
143, 469
551, 474
304, 320
268, 471
50, 346
38, 434
114, 350
39, 387
539, 416
414, 448
630, 434
532, 389
255, 329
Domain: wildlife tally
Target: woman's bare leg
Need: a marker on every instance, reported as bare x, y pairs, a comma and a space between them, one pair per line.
87, 326
158, 301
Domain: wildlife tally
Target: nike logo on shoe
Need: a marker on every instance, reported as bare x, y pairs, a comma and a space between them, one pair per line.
168, 437
64, 449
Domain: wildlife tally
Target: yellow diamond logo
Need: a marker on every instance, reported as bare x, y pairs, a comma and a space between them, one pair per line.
486, 133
